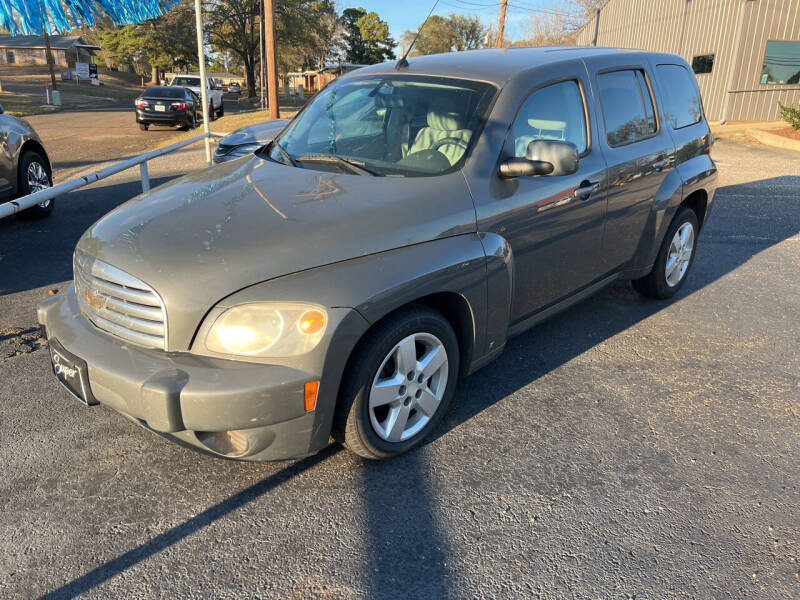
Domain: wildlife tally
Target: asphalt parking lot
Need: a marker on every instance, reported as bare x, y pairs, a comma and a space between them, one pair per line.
626, 448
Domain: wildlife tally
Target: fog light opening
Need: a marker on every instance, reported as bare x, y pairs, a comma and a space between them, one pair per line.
229, 443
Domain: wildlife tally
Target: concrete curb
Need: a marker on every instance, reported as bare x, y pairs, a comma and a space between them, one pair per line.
770, 139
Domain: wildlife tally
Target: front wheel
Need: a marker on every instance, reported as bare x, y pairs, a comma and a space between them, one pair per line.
34, 176
398, 385
212, 116
221, 111
675, 258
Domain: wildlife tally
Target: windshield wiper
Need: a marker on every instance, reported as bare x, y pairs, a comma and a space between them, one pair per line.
331, 159
284, 153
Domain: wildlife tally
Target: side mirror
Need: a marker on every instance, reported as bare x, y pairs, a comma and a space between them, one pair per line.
562, 155
543, 157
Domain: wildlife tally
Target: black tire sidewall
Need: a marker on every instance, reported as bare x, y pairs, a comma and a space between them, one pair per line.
371, 356
664, 290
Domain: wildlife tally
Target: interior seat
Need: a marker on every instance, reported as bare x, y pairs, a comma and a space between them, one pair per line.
445, 122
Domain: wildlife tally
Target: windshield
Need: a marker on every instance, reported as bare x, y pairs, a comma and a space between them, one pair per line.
392, 125
187, 81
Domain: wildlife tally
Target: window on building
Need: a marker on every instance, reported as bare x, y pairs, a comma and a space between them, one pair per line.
781, 63
703, 64
682, 104
627, 106
554, 112
10, 58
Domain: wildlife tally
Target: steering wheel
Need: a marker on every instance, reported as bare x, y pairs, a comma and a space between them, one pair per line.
448, 141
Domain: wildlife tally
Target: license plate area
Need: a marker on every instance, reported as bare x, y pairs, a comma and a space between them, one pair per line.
161, 108
72, 372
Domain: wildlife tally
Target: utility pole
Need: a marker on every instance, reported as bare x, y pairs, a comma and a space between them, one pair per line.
272, 60
48, 52
261, 55
501, 27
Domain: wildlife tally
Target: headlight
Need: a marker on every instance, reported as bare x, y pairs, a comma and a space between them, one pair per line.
268, 329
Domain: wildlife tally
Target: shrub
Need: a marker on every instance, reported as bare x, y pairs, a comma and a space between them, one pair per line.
790, 114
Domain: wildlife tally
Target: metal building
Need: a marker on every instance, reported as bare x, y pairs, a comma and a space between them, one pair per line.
746, 53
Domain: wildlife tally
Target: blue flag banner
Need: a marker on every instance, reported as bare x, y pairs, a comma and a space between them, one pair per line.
28, 16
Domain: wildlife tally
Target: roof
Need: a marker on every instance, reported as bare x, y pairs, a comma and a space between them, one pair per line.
37, 41
494, 65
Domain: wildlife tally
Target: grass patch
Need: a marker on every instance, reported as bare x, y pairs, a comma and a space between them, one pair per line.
21, 105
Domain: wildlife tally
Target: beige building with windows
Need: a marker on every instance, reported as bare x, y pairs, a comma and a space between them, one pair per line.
31, 50
746, 53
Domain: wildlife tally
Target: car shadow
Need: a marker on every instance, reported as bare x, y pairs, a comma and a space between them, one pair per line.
408, 549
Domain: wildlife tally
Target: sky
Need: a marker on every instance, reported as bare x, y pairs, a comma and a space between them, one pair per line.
408, 14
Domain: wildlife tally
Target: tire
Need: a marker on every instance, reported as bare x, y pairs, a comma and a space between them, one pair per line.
212, 116
368, 431
144, 126
191, 123
34, 174
664, 281
221, 111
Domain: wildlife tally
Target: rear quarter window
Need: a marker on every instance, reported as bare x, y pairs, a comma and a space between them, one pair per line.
681, 102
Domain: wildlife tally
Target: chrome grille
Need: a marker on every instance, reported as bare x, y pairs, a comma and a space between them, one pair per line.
119, 303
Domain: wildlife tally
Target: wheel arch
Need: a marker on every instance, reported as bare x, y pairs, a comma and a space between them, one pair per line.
698, 202
31, 145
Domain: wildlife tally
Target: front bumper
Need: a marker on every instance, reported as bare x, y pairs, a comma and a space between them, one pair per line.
229, 408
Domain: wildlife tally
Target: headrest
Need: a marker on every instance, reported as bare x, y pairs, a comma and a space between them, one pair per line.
445, 116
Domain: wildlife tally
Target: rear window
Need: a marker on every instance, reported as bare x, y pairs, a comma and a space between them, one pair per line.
187, 81
681, 103
163, 92
627, 106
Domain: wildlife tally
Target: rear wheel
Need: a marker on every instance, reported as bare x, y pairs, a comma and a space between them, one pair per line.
221, 111
212, 116
399, 384
674, 259
35, 175
144, 126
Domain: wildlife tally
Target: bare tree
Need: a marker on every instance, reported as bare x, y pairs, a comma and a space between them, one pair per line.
558, 23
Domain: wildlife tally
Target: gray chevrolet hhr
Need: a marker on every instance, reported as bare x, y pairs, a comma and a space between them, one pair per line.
336, 284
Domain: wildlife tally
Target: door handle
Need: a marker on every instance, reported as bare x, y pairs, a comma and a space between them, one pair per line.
585, 190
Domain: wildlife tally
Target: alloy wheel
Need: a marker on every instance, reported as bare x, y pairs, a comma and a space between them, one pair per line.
679, 255
38, 180
408, 387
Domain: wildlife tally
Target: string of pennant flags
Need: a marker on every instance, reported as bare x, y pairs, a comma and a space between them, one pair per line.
28, 16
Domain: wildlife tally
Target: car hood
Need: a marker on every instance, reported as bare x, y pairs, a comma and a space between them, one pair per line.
260, 132
211, 233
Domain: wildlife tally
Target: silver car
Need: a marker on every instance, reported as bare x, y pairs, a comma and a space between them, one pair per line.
337, 284
247, 140
24, 165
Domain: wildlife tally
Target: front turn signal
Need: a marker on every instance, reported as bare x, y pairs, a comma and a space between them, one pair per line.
310, 395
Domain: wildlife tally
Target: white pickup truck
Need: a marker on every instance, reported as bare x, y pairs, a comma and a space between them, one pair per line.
216, 107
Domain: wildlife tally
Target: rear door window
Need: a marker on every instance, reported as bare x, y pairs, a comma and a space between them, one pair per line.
627, 106
681, 103
554, 112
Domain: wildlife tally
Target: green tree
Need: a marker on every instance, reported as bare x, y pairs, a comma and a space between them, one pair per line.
303, 31
366, 37
165, 43
447, 34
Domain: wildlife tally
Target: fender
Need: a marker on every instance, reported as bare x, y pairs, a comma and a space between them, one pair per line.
695, 174
377, 284
476, 267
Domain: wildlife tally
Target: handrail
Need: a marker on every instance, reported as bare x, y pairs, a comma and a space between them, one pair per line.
25, 202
